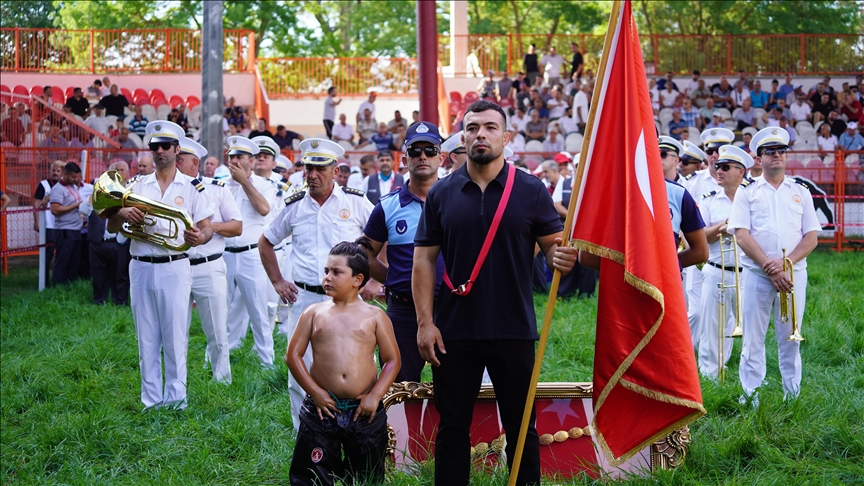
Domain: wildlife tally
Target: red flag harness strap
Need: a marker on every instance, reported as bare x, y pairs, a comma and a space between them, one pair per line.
465, 288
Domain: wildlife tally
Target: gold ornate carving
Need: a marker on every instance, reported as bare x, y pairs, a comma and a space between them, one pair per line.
391, 442
407, 390
671, 452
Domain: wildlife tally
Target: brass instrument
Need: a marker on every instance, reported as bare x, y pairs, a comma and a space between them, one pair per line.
786, 297
110, 192
721, 308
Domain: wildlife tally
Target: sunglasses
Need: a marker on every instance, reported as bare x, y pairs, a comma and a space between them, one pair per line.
429, 151
166, 146
664, 153
726, 167
686, 163
459, 152
769, 151
710, 151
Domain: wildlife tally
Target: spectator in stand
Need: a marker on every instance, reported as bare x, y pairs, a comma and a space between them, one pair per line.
723, 94
210, 166
550, 175
742, 78
664, 81
580, 106
40, 110
504, 87
369, 104
774, 95
138, 123
822, 108
23, 115
244, 129
669, 95
693, 84
838, 126
260, 129
114, 131
552, 64
126, 143
342, 131
677, 127
786, 89
707, 111
850, 106
517, 145
571, 89
746, 137
106, 87
486, 88
553, 143
383, 180
785, 125
94, 91
517, 84
115, 103
701, 94
81, 138
383, 139
758, 98
780, 110
415, 116
330, 104
366, 126
654, 93
800, 110
77, 103
182, 119
536, 128
236, 116
64, 202
397, 124
556, 105
530, 64
690, 114
577, 63
284, 138
145, 165
746, 116
12, 128
54, 140
716, 121
851, 139
826, 81
541, 110
739, 94
519, 120
523, 97
827, 142
567, 124
816, 95
545, 93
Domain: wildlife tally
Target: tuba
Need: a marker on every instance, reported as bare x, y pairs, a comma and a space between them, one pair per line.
110, 193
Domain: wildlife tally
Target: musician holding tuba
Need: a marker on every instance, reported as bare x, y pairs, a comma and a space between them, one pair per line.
721, 268
160, 209
770, 215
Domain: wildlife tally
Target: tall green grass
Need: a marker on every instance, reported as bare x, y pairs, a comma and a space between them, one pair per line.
70, 386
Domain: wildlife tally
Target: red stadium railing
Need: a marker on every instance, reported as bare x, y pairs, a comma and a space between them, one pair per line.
294, 77
118, 51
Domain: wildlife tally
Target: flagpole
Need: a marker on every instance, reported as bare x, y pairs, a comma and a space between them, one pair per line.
565, 240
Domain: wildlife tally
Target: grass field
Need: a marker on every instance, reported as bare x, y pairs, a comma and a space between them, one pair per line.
70, 385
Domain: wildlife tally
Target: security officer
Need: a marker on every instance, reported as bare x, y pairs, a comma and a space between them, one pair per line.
772, 214
715, 208
457, 155
394, 221
161, 279
318, 218
209, 285
247, 282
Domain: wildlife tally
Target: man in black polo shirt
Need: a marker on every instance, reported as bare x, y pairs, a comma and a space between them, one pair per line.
489, 320
78, 104
115, 103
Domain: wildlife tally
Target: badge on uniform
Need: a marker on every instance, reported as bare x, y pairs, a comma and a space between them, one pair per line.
178, 200
401, 226
344, 214
796, 198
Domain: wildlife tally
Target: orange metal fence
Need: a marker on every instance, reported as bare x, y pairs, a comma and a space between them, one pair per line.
294, 77
118, 51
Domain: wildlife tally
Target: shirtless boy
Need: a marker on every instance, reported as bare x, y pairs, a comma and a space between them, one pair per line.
343, 410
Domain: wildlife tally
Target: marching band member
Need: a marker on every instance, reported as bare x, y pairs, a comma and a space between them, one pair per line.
772, 214
692, 157
161, 279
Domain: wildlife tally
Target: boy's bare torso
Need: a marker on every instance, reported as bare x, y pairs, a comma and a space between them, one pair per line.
343, 343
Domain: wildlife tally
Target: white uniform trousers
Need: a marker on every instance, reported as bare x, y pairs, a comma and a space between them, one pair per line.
693, 293
759, 300
708, 349
283, 309
247, 291
295, 391
210, 293
160, 307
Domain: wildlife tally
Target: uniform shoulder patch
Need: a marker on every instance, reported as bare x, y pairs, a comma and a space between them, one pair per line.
709, 194
802, 183
689, 176
217, 182
294, 197
352, 191
198, 185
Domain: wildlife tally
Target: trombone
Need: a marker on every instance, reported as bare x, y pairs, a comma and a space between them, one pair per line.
786, 298
738, 331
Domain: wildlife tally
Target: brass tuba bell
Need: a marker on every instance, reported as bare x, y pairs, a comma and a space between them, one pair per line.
110, 193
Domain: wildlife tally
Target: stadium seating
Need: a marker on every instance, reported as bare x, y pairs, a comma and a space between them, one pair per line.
176, 101
192, 102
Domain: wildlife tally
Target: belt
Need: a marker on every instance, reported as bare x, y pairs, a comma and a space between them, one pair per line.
730, 269
281, 247
405, 299
241, 249
113, 238
311, 288
198, 261
160, 259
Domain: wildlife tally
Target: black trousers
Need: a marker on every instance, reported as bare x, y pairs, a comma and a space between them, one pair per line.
106, 259
320, 443
49, 254
328, 126
84, 264
457, 382
67, 253
581, 281
404, 319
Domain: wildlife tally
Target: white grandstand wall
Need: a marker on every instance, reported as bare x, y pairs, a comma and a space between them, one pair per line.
306, 115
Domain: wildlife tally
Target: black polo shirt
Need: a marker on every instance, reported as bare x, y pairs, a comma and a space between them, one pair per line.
78, 107
457, 216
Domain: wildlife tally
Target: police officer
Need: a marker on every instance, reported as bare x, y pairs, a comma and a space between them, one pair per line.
247, 282
394, 221
209, 284
161, 279
318, 218
772, 214
715, 208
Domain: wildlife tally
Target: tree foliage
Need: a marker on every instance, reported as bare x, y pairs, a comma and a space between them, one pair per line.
32, 14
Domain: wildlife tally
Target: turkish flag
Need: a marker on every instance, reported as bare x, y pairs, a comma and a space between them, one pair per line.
645, 379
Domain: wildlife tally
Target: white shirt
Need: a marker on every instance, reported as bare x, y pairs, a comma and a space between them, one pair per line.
829, 144
316, 229
519, 122
556, 108
343, 132
580, 100
692, 86
568, 125
558, 191
98, 123
329, 109
800, 112
253, 222
182, 193
382, 184
715, 209
296, 179
739, 98
700, 184
363, 106
667, 99
777, 218
553, 64
224, 209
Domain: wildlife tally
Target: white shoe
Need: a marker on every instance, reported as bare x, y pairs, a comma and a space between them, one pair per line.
753, 399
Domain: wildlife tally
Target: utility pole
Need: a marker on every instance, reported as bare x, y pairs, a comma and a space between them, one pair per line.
211, 80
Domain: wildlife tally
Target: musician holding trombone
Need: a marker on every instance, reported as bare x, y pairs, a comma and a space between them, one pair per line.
160, 275
775, 224
722, 266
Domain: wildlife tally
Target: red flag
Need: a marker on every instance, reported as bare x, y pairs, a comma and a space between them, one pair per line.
645, 379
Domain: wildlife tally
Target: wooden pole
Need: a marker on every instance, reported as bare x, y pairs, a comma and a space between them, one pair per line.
568, 224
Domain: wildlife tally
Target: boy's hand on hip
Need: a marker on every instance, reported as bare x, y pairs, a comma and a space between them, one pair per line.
368, 406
